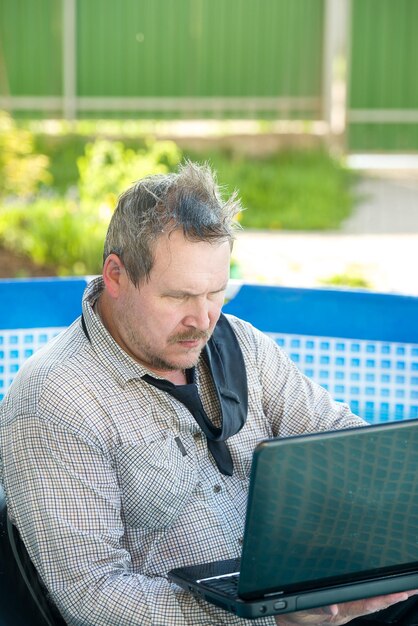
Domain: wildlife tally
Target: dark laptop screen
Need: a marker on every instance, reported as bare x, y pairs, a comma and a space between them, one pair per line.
338, 506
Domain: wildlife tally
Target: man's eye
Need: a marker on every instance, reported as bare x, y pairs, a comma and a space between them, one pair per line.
216, 295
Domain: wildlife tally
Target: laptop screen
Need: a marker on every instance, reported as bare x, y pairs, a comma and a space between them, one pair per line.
331, 507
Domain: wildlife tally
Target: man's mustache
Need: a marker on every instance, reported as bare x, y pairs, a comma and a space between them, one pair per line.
195, 335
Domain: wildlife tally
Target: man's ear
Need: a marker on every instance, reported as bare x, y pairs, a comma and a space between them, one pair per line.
114, 275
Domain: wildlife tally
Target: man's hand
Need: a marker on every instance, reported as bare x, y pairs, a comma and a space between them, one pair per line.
342, 613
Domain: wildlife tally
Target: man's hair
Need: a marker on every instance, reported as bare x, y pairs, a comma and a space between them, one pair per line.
189, 200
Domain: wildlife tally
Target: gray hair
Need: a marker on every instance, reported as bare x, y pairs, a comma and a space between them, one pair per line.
189, 200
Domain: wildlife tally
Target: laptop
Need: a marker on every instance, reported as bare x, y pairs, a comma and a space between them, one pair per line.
331, 517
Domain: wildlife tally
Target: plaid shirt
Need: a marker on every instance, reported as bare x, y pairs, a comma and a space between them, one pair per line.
105, 501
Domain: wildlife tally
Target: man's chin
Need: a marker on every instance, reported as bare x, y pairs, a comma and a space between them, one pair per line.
180, 361
186, 364
188, 360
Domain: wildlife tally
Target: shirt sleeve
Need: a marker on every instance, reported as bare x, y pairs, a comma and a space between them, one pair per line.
293, 403
65, 501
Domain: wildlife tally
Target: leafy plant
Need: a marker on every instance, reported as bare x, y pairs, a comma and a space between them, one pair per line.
347, 279
109, 167
22, 171
68, 233
65, 225
57, 232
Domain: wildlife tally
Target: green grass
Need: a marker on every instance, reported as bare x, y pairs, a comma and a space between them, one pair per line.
56, 210
292, 190
64, 223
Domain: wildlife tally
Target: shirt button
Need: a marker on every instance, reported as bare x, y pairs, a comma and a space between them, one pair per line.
217, 488
196, 436
240, 541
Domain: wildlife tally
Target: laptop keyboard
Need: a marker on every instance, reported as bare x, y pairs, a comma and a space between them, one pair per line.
224, 584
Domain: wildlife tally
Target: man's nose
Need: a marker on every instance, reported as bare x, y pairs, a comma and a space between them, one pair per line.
198, 315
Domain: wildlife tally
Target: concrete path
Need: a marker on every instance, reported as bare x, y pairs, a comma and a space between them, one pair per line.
378, 243
386, 205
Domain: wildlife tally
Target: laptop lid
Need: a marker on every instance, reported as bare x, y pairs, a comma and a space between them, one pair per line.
331, 508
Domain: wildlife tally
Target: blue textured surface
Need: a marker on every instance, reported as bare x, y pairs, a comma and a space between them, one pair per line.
361, 346
38, 303
328, 312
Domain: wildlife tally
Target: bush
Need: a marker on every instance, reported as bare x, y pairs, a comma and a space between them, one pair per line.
68, 233
108, 167
22, 171
57, 232
65, 226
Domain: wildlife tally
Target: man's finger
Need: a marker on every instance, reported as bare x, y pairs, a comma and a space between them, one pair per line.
339, 614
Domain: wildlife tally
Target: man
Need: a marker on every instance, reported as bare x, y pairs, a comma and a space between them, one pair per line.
126, 443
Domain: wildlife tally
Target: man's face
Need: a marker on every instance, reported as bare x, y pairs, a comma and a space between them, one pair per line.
165, 322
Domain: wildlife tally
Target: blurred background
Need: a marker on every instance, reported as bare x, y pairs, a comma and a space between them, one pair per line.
308, 107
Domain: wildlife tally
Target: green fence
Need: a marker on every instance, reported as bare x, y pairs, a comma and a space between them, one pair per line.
383, 88
188, 58
273, 59
31, 37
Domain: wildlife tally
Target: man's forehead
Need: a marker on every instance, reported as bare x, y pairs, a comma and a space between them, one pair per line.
200, 269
